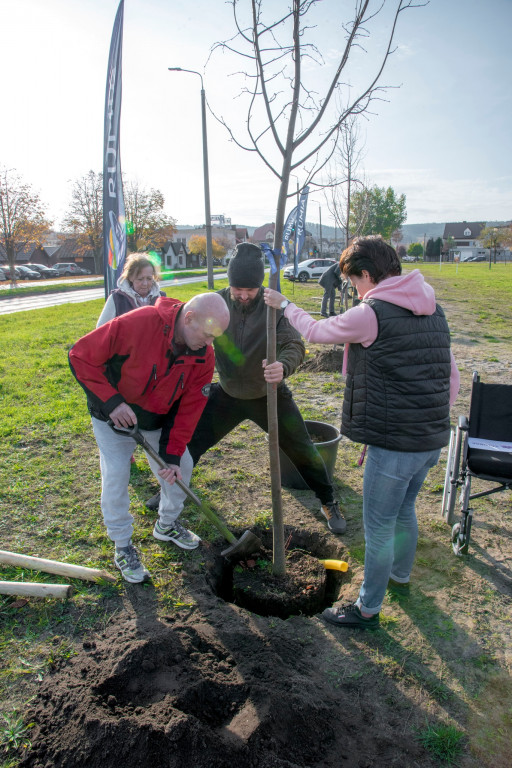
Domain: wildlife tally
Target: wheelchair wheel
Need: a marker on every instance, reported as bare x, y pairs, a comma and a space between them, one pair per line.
451, 480
448, 503
460, 537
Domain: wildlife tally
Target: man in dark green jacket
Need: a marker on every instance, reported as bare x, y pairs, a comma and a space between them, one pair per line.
241, 393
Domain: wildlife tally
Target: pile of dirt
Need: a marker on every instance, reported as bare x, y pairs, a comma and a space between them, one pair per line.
325, 361
218, 688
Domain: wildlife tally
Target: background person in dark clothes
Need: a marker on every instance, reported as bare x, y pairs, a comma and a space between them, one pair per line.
331, 282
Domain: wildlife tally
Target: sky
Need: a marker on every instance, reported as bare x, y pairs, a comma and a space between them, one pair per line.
441, 134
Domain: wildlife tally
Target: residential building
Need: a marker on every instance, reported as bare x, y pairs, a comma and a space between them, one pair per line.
37, 254
176, 256
71, 251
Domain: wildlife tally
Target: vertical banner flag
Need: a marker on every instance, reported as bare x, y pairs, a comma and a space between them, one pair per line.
114, 228
288, 229
296, 221
300, 229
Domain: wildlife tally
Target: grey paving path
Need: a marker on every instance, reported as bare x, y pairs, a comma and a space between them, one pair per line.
25, 303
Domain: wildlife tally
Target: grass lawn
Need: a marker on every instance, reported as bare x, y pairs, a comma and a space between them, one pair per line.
49, 507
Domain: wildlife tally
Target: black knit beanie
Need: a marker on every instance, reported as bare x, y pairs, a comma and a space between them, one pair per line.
246, 268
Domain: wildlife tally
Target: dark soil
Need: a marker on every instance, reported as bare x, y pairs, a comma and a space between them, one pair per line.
300, 591
326, 361
219, 687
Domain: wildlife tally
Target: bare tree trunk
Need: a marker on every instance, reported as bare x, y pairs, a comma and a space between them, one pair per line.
288, 119
279, 563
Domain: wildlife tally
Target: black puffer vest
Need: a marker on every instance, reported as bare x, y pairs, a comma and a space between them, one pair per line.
397, 392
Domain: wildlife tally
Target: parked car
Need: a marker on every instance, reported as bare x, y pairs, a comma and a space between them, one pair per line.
68, 268
476, 258
311, 269
26, 273
408, 259
21, 273
44, 271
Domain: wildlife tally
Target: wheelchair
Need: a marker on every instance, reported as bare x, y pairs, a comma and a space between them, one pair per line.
480, 447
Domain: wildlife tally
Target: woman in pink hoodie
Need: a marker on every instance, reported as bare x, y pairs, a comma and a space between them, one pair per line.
401, 379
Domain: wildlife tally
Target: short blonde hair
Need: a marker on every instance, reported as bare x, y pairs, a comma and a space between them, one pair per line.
135, 262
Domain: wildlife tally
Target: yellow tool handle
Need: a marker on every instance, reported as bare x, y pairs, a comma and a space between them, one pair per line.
335, 565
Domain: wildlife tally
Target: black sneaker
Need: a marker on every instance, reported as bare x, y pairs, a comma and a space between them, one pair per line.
335, 520
128, 561
153, 503
399, 588
350, 616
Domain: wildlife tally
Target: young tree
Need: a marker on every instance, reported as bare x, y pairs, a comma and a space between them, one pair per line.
85, 216
437, 247
396, 237
197, 244
344, 178
381, 210
429, 249
146, 222
494, 238
22, 217
416, 250
293, 119
401, 252
449, 243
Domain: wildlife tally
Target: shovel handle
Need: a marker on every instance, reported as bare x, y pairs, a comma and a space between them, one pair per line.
207, 512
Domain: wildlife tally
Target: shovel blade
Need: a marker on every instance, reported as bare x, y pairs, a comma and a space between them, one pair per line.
246, 545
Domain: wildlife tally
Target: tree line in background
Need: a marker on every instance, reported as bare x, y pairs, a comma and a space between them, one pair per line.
358, 209
23, 218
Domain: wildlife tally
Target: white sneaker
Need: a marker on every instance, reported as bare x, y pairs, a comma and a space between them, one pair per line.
176, 533
127, 559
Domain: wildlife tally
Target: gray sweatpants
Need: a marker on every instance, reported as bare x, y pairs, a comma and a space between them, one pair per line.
115, 453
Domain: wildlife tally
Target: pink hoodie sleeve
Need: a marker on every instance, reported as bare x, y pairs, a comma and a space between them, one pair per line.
358, 324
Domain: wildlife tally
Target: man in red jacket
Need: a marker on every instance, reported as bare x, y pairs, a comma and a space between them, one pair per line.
151, 367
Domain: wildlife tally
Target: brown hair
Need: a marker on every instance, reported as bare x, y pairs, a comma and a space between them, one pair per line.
135, 262
373, 254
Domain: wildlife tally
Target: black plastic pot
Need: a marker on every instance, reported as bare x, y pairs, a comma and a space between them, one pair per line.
327, 448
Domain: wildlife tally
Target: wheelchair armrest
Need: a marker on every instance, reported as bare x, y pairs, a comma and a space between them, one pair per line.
464, 423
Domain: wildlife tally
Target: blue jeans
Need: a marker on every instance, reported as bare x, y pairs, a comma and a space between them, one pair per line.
392, 480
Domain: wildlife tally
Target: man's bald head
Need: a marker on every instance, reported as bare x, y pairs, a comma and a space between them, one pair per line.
202, 319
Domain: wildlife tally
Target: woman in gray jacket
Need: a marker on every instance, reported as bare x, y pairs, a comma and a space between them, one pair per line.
137, 287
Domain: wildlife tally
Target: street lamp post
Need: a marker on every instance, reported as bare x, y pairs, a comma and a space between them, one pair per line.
295, 241
321, 243
208, 222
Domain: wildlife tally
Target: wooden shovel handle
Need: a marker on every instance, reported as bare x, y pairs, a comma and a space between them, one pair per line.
54, 566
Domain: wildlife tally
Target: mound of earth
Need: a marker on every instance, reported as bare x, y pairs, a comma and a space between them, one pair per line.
324, 360
216, 686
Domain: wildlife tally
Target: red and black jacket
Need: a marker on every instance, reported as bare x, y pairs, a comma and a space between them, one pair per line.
130, 359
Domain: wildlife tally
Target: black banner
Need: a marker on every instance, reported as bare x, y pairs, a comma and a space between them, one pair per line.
114, 227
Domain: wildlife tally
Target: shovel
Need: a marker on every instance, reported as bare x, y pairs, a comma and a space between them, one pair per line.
248, 541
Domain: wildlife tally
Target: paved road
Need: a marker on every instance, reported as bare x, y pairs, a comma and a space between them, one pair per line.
24, 303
